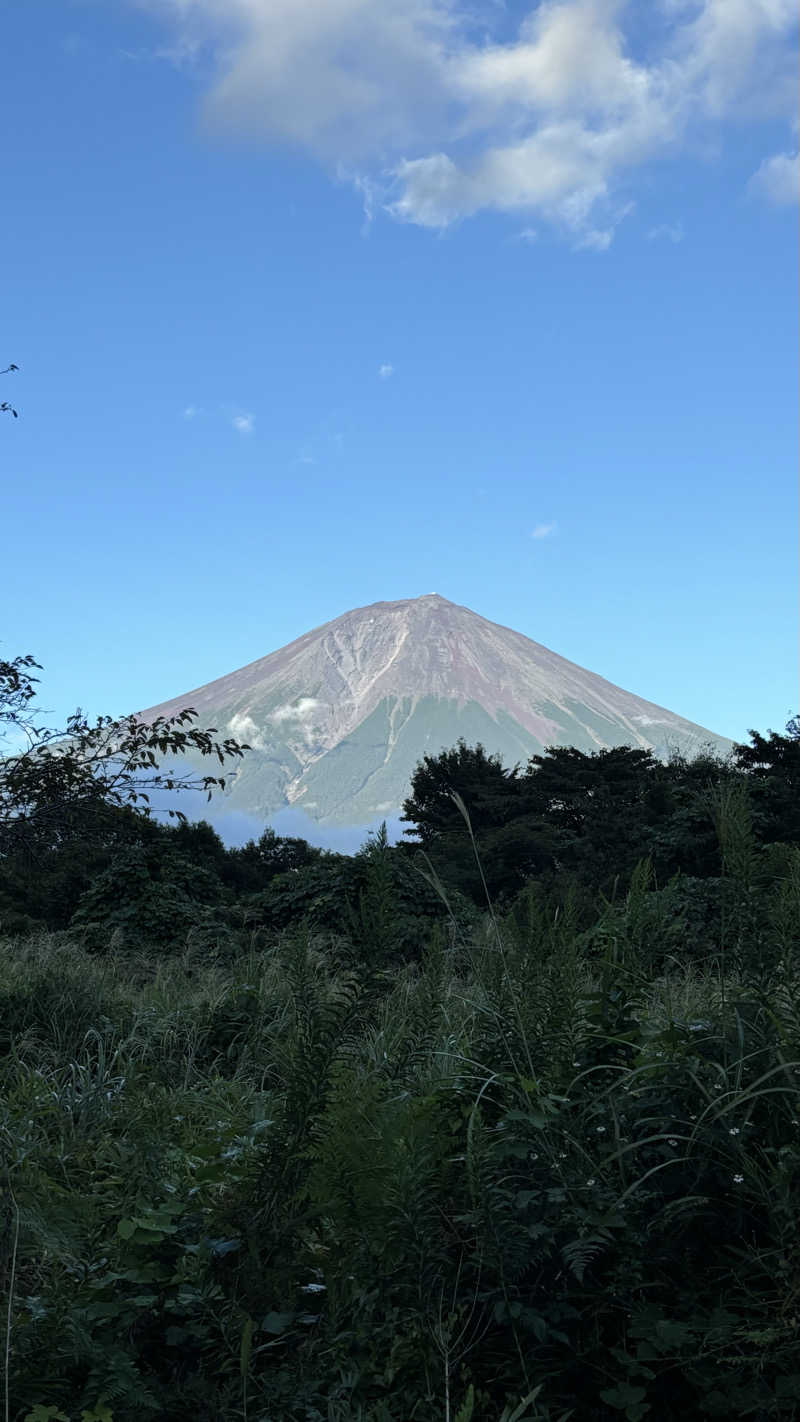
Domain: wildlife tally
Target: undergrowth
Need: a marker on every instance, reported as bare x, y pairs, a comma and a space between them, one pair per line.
540, 1172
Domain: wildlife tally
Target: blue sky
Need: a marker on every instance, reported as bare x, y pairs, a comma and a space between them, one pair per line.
318, 305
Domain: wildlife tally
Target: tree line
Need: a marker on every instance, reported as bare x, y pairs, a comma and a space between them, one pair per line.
81, 850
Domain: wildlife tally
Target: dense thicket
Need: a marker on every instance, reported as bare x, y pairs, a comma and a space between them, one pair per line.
591, 818
499, 1125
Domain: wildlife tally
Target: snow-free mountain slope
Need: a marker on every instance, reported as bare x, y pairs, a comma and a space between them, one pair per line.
338, 719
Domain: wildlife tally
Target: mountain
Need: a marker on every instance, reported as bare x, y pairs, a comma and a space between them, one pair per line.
338, 719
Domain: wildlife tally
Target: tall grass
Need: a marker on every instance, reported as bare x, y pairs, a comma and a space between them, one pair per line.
540, 1172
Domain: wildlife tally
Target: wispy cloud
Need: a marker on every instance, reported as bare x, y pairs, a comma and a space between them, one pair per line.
240, 420
667, 232
595, 239
385, 371
366, 188
302, 710
436, 118
543, 530
778, 179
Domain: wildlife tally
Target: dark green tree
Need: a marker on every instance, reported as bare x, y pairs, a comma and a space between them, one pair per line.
485, 786
252, 867
150, 898
490, 793
771, 764
43, 889
55, 782
593, 810
682, 835
577, 817
70, 798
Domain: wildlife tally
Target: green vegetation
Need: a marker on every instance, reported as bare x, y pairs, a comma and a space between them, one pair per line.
497, 1126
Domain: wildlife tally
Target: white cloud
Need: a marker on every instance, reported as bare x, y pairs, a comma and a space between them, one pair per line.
595, 239
737, 56
190, 412
368, 191
245, 424
555, 171
302, 710
243, 727
666, 231
543, 530
385, 371
434, 114
778, 179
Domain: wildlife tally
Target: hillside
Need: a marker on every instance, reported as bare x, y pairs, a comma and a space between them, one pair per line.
338, 718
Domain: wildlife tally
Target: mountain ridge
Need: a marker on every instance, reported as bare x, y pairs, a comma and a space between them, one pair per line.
338, 718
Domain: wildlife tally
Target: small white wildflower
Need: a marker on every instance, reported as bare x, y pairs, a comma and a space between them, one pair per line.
794, 1123
576, 1063
534, 1155
734, 1131
738, 1179
592, 1181
562, 1155
672, 1141
599, 1129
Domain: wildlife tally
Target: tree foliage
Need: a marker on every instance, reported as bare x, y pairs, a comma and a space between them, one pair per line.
772, 766
56, 784
592, 817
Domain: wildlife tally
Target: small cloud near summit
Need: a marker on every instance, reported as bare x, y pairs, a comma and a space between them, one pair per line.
243, 423
385, 371
543, 530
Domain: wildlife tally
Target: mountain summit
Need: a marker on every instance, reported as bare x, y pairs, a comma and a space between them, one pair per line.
338, 719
